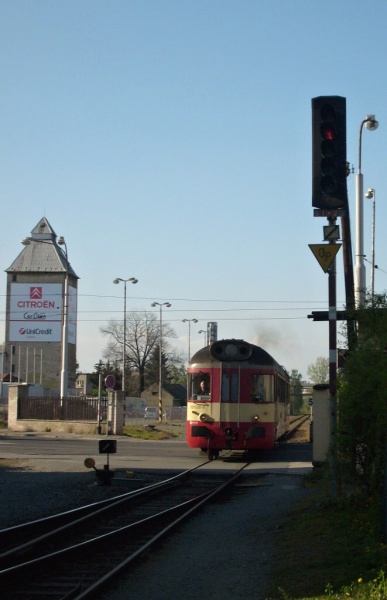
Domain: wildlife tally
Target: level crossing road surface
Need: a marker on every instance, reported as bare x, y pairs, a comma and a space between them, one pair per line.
67, 452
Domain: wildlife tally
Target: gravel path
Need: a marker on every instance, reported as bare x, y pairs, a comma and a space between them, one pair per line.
226, 552
26, 494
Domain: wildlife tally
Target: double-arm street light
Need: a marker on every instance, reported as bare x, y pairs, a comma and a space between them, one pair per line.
204, 335
371, 195
360, 275
124, 281
189, 321
167, 305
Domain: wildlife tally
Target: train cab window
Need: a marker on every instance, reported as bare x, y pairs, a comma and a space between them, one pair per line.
261, 388
200, 386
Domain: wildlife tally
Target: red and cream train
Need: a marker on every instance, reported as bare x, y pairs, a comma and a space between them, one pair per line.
238, 398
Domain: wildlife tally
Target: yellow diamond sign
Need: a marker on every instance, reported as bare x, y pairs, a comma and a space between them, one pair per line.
325, 254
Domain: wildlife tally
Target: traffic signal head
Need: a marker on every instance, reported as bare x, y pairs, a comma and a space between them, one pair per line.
329, 149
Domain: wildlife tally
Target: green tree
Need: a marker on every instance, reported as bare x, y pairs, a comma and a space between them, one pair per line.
296, 399
172, 364
319, 371
152, 368
178, 372
104, 369
362, 427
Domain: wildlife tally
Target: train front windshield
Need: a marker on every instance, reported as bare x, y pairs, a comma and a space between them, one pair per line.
200, 386
259, 388
250, 388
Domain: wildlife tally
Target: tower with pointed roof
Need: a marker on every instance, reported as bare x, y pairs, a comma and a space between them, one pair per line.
41, 313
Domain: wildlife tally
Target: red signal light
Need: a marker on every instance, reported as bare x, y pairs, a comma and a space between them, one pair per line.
327, 131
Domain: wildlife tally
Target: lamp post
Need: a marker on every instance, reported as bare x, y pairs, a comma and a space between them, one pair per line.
64, 360
204, 335
189, 321
167, 305
65, 335
371, 195
124, 281
360, 283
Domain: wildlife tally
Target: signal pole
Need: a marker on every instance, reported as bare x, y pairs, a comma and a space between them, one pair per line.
332, 301
330, 198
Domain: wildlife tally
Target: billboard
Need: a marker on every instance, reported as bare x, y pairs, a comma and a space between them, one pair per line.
36, 312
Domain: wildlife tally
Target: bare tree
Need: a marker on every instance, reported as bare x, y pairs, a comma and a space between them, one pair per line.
142, 337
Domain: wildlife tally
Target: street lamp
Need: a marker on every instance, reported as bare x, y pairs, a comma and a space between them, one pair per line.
64, 368
65, 336
371, 195
124, 281
189, 321
167, 305
360, 283
204, 335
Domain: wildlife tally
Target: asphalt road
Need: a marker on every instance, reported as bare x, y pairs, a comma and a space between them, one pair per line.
45, 452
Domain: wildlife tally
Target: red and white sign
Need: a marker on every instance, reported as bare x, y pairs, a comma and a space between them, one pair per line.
36, 311
36, 293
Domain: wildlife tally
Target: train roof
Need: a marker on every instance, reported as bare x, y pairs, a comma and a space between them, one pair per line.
241, 352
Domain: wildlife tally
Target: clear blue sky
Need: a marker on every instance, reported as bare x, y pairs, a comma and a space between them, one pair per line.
170, 140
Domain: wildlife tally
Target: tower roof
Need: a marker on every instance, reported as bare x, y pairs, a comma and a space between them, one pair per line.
42, 253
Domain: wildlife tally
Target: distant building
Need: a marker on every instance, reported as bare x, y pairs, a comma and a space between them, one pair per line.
35, 309
83, 385
173, 395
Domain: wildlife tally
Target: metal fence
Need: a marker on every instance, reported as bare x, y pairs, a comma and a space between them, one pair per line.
77, 408
51, 408
177, 413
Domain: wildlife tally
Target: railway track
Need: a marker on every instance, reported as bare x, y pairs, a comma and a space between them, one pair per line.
72, 555
296, 423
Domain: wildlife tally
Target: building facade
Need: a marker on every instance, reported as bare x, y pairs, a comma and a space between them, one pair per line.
41, 313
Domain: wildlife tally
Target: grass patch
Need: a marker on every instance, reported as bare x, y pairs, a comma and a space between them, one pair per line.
151, 432
330, 548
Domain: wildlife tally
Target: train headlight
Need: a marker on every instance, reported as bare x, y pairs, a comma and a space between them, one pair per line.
255, 418
205, 418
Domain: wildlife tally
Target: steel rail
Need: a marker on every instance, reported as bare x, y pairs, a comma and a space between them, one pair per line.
50, 526
196, 504
13, 574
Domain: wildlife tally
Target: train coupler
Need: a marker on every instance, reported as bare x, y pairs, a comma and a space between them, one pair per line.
229, 437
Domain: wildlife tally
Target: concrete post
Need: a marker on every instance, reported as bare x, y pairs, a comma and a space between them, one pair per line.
116, 413
321, 424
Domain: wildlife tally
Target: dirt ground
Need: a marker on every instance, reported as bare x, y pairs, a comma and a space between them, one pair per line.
301, 434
